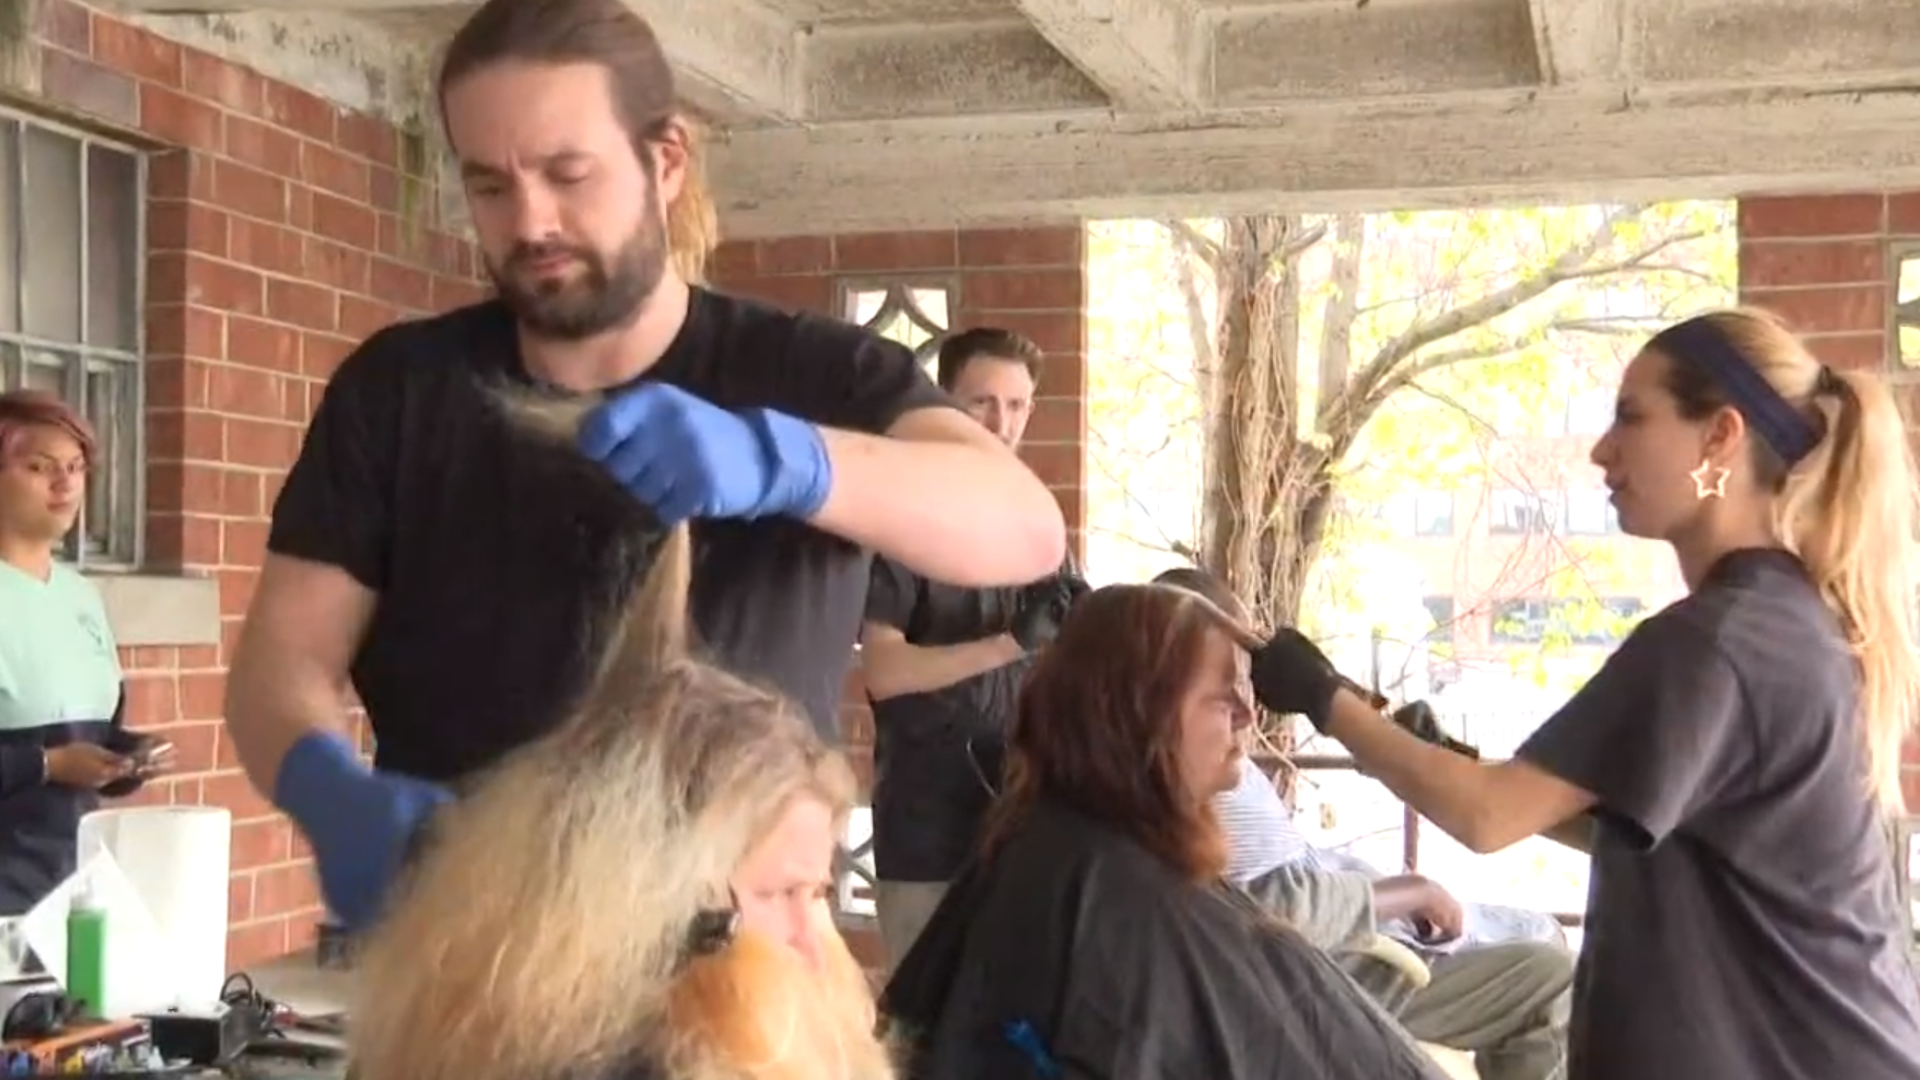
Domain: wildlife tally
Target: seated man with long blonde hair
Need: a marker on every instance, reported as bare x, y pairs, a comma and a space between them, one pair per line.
1093, 937
640, 895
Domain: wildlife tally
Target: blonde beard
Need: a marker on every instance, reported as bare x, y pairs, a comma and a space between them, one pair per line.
756, 1009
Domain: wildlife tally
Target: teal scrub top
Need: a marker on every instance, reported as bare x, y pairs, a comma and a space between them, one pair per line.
58, 664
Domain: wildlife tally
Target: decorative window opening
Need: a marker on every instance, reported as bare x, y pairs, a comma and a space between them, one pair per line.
917, 314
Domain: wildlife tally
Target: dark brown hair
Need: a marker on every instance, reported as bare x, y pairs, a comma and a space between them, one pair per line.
1098, 727
991, 342
23, 409
604, 32
1209, 586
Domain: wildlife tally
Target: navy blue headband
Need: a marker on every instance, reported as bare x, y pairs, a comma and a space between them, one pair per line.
1782, 427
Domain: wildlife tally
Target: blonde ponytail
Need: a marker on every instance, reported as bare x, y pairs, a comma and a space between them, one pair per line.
1848, 510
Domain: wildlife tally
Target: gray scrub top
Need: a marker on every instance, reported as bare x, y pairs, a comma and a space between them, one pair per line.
1742, 918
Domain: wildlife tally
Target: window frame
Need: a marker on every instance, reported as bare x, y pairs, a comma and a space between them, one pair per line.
1609, 514
899, 290
1901, 314
1551, 512
125, 547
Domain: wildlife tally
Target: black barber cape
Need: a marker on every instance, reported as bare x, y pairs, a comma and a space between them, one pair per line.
1074, 953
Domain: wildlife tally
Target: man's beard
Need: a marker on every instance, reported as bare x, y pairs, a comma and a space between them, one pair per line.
605, 296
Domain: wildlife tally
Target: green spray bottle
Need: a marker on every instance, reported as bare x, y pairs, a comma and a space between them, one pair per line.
87, 954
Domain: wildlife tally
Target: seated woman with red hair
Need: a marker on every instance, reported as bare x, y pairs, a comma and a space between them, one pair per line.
1093, 937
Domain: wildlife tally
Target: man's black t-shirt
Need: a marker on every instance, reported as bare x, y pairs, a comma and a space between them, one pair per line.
929, 795
496, 559
1743, 921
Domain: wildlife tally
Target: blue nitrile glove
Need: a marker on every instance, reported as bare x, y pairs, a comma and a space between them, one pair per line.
688, 458
360, 822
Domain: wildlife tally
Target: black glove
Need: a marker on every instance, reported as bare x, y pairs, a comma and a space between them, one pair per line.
1292, 675
1043, 606
1417, 718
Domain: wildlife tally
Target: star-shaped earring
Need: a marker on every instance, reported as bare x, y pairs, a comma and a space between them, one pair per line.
1714, 488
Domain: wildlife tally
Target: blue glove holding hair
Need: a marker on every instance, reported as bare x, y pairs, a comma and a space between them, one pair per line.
685, 457
360, 822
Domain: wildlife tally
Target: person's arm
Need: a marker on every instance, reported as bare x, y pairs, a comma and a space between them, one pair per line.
893, 667
326, 563
1487, 807
915, 478
1654, 734
289, 672
1404, 896
1576, 832
944, 497
1331, 909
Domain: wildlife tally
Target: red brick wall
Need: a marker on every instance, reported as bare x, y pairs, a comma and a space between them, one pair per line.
1825, 263
1030, 280
275, 243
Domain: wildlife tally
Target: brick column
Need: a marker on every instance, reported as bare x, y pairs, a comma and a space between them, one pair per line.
1823, 262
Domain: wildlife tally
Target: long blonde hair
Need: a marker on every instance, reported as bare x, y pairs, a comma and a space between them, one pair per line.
543, 931
1847, 509
693, 223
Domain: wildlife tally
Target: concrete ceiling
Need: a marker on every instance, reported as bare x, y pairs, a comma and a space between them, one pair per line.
880, 114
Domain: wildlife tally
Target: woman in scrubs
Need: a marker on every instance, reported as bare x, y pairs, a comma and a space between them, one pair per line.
1732, 766
62, 743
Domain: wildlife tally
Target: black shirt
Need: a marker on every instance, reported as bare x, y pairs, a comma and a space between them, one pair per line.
930, 749
496, 559
1742, 922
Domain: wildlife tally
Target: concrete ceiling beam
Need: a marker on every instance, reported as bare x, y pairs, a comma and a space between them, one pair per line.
1756, 42
1148, 56
734, 60
1517, 147
1582, 43
1319, 52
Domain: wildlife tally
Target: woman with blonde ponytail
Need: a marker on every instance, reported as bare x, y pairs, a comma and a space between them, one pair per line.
1732, 767
639, 895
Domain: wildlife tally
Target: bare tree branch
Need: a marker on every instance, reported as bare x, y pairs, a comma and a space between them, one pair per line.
1363, 394
1194, 242
1206, 361
1343, 299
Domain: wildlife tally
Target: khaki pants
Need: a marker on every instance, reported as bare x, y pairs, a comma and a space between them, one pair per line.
903, 908
1506, 1004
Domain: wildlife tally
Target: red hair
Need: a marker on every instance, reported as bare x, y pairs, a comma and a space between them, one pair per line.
23, 410
1098, 727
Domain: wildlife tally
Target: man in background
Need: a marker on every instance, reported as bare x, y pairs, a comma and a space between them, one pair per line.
943, 666
1505, 1002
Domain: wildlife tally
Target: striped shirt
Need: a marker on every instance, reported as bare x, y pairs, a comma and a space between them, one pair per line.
1259, 828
